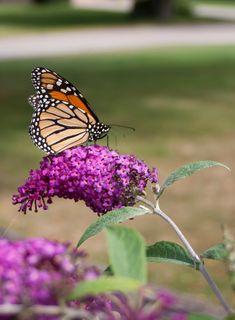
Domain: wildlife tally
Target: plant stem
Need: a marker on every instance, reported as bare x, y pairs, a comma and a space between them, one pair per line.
69, 313
215, 289
196, 258
160, 213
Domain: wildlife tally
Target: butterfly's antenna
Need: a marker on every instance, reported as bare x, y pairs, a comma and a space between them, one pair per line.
126, 127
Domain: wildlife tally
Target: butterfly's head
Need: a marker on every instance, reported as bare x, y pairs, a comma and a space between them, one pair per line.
98, 131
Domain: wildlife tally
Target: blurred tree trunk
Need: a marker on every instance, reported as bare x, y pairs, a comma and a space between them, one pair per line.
162, 9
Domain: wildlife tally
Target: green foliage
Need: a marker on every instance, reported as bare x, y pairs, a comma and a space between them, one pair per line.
51, 16
188, 170
169, 252
103, 285
110, 218
50, 2
217, 252
127, 253
231, 317
183, 8
127, 257
162, 9
223, 3
200, 317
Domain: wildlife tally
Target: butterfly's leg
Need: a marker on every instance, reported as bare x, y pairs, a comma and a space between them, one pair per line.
107, 140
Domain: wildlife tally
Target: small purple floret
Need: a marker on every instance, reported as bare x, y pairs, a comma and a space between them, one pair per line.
101, 177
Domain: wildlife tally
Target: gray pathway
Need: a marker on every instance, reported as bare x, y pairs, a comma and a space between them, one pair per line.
115, 39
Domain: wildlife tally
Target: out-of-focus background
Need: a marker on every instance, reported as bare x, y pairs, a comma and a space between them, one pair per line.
165, 67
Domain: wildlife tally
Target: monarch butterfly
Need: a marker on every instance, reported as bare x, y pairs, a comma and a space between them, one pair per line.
62, 117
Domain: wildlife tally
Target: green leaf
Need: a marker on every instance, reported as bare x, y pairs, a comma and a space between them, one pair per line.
108, 271
231, 317
109, 218
127, 253
187, 170
169, 252
102, 285
201, 317
217, 252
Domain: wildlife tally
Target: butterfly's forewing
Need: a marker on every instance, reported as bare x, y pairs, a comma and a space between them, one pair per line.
50, 85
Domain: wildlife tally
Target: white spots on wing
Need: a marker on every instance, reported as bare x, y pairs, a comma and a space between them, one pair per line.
50, 86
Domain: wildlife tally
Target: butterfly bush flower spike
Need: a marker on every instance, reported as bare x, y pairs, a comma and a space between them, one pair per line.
145, 304
40, 271
101, 177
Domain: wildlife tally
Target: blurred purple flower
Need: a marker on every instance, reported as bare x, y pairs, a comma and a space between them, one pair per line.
179, 316
39, 271
146, 304
103, 178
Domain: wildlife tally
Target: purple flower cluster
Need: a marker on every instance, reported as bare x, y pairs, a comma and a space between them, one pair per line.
39, 271
103, 178
42, 272
145, 304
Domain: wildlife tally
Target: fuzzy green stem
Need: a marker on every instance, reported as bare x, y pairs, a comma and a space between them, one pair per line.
200, 266
196, 258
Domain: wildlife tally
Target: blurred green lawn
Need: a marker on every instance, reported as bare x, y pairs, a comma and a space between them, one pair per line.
181, 102
165, 94
216, 2
29, 18
42, 18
